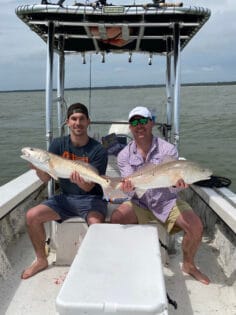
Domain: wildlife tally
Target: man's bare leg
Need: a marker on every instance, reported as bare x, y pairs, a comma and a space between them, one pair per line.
124, 214
192, 226
35, 218
95, 217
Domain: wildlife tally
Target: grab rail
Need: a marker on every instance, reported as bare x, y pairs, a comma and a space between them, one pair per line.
17, 190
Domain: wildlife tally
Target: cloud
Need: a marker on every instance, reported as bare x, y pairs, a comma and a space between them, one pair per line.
210, 56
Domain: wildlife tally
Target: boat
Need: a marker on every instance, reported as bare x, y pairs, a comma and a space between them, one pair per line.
152, 28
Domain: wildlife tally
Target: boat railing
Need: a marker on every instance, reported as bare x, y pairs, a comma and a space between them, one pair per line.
17, 196
121, 127
17, 190
115, 122
106, 122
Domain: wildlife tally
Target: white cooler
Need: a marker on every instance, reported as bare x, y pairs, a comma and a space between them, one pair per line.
117, 270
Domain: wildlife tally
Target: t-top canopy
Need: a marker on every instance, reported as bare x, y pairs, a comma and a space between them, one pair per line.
112, 28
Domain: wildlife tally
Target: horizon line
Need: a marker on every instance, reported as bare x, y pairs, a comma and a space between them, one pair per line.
125, 86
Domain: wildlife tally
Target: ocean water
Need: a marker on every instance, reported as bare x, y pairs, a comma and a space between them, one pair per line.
207, 122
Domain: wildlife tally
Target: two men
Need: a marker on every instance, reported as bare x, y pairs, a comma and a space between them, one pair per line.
83, 199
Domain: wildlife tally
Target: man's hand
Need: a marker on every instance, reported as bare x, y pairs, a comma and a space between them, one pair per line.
78, 180
181, 184
127, 186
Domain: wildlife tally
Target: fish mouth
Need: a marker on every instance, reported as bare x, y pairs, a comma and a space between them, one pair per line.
25, 152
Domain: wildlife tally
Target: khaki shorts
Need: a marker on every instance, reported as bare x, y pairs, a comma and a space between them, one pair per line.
145, 216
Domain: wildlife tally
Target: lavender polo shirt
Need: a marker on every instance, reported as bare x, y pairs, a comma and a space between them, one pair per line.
159, 200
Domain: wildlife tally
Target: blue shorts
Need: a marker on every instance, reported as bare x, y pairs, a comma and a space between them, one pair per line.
69, 206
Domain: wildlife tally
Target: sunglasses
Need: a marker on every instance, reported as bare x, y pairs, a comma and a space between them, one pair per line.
141, 121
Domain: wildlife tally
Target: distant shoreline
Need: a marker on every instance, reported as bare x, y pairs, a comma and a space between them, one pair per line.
127, 86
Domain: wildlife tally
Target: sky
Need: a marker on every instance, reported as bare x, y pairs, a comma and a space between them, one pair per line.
209, 57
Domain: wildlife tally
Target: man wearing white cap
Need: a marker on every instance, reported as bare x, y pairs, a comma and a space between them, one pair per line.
161, 203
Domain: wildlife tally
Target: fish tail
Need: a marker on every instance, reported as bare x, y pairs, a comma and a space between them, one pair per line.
112, 191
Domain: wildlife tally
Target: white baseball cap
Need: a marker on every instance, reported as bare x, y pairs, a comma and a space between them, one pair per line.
140, 111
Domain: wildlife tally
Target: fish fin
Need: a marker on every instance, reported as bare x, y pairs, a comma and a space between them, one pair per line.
140, 192
112, 190
111, 194
52, 174
51, 171
167, 159
143, 169
115, 182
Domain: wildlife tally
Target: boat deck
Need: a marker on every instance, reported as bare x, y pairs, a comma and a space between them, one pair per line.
37, 295
84, 29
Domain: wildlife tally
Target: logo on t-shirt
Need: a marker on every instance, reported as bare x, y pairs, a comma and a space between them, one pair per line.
72, 156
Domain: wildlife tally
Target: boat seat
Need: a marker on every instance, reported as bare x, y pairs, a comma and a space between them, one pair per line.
70, 234
117, 270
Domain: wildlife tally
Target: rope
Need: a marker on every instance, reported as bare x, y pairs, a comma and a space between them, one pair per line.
172, 302
163, 245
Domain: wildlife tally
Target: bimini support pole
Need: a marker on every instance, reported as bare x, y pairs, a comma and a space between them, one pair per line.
171, 243
169, 104
48, 114
176, 83
49, 93
60, 87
